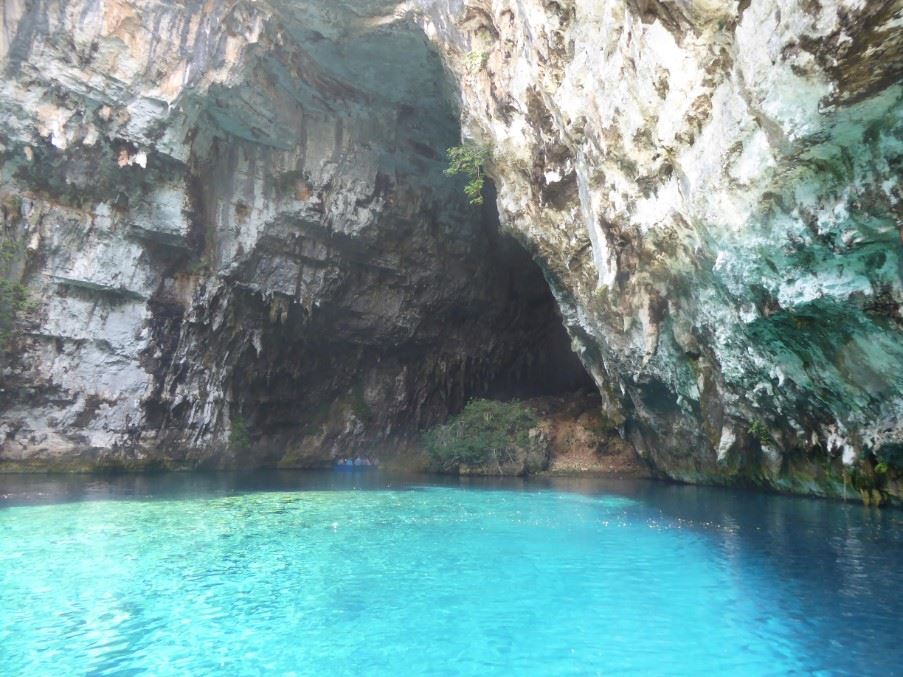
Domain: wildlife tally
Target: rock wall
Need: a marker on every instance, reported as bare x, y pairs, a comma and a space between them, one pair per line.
713, 188
239, 243
232, 215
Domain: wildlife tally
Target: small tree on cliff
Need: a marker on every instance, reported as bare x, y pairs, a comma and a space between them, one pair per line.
469, 160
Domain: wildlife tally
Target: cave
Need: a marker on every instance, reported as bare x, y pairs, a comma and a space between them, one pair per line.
272, 267
306, 383
231, 246
350, 296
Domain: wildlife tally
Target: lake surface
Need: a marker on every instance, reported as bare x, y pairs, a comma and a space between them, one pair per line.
347, 573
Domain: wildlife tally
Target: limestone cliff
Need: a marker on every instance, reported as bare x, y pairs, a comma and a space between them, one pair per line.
231, 216
714, 190
238, 240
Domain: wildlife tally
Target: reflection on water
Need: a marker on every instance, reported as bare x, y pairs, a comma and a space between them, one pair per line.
350, 572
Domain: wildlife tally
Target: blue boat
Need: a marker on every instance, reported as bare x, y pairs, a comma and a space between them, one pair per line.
347, 465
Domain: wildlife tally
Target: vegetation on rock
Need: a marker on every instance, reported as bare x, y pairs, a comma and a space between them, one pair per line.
469, 160
13, 299
489, 437
239, 437
759, 432
475, 60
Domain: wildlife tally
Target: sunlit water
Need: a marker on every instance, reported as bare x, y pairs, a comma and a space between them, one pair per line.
329, 574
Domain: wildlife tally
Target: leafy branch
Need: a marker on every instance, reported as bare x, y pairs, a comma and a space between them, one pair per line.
469, 160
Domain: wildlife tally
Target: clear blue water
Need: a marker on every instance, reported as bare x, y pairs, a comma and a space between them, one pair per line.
341, 574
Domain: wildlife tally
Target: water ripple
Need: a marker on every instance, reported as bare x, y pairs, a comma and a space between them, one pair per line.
449, 581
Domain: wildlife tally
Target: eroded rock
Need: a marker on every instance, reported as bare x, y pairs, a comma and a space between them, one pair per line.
713, 189
242, 248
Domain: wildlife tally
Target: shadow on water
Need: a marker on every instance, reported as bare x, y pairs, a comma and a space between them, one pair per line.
51, 488
834, 569
38, 489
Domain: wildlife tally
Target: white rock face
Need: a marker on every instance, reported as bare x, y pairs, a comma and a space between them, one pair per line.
711, 188
714, 190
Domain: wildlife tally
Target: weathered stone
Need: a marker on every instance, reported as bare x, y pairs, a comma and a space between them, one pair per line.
730, 256
242, 246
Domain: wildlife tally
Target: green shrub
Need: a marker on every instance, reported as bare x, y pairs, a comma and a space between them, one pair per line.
13, 294
13, 300
469, 160
485, 432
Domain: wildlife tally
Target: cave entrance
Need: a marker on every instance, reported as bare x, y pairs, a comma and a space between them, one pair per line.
359, 296
388, 352
546, 365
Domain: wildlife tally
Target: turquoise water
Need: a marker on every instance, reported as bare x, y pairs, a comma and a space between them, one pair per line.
291, 574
